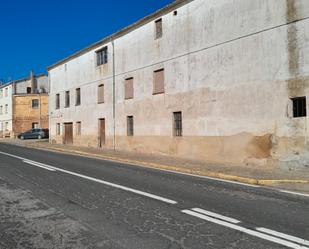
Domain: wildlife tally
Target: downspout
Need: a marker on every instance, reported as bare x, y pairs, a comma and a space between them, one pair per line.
49, 110
114, 95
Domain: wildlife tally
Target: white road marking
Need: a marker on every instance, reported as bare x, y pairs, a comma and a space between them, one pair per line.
10, 155
40, 165
156, 197
294, 193
284, 236
246, 230
215, 215
209, 178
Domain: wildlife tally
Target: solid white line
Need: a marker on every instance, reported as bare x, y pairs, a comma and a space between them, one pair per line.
43, 166
10, 155
294, 193
156, 197
284, 236
215, 215
245, 230
210, 178
180, 173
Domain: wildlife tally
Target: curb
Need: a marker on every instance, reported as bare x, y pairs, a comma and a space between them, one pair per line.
246, 180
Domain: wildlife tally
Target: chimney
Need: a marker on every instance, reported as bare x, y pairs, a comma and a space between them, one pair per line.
32, 82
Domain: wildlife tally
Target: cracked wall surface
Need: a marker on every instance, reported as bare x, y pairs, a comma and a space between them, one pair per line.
231, 67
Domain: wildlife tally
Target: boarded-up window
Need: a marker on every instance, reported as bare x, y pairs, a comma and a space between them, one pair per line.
101, 93
67, 99
78, 128
102, 56
130, 126
58, 129
77, 101
159, 29
57, 101
177, 124
128, 88
158, 82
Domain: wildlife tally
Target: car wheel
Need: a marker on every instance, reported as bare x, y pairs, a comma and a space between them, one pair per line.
22, 137
39, 137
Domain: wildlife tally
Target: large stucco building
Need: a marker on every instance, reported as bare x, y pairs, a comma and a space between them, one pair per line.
23, 105
214, 80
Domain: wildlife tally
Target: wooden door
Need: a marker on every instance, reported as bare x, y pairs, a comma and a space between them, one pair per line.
68, 133
101, 132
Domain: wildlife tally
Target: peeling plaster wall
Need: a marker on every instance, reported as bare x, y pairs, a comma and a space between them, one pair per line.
231, 67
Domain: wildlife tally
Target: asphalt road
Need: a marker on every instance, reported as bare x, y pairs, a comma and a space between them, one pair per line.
114, 205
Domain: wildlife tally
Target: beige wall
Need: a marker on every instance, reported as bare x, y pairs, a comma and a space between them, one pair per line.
231, 67
24, 115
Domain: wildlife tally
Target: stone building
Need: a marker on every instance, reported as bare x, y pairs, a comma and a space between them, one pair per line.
215, 80
24, 105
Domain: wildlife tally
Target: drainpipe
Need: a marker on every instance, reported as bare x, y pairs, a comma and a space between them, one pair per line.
114, 96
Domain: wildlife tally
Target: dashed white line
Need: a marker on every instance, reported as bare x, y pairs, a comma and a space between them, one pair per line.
215, 215
284, 236
52, 168
40, 165
246, 230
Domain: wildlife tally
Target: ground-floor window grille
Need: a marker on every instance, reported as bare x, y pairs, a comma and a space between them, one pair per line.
177, 124
130, 126
299, 107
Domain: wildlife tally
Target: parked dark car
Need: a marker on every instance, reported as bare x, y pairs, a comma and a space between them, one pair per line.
34, 134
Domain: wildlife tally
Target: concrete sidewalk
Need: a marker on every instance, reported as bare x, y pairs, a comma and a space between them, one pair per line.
295, 180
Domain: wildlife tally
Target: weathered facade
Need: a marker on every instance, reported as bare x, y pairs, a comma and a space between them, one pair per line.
221, 81
6, 116
25, 105
30, 111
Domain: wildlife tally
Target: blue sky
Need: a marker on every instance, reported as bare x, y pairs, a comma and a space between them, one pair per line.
37, 33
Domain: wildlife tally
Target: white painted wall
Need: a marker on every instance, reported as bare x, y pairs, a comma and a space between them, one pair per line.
227, 68
6, 99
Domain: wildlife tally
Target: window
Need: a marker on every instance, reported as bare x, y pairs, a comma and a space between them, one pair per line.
177, 127
58, 101
6, 127
35, 125
102, 56
28, 90
77, 101
1, 110
130, 126
78, 128
6, 92
128, 89
35, 104
101, 93
6, 108
299, 107
58, 129
158, 82
159, 29
67, 99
